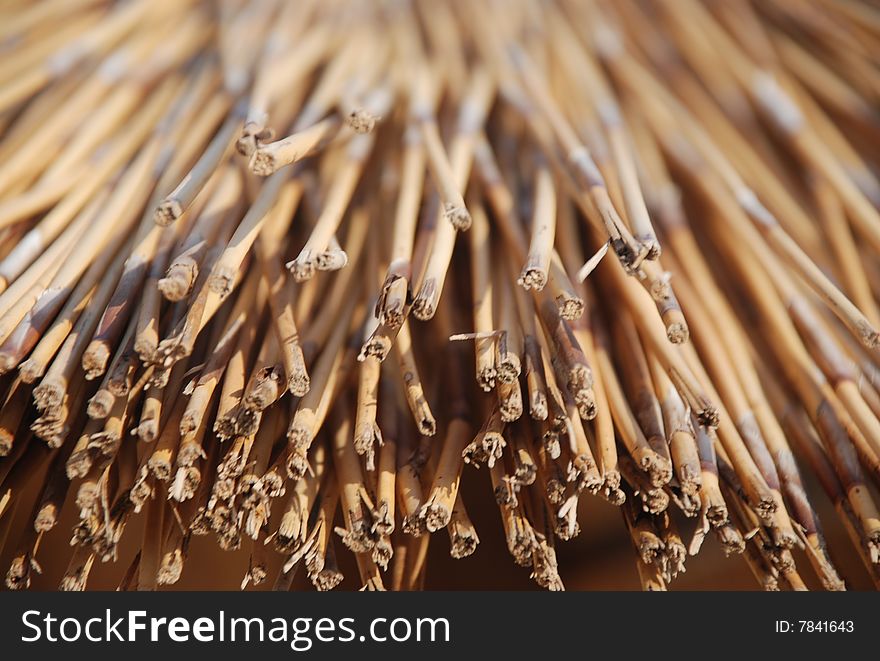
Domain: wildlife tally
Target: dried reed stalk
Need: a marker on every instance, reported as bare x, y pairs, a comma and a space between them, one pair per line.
219, 331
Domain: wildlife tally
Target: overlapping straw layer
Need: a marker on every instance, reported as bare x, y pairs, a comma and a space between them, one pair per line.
283, 273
